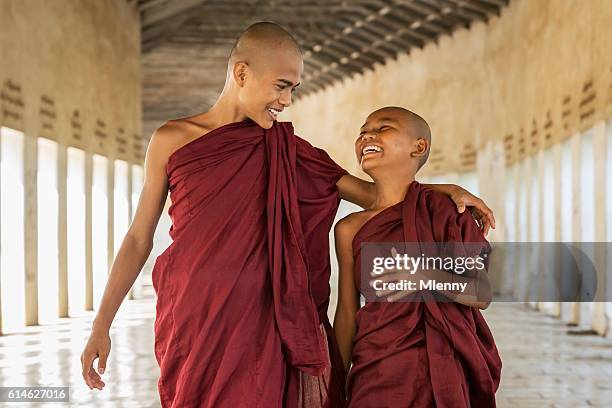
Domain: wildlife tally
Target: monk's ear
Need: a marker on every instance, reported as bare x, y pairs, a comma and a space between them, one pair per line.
239, 72
419, 148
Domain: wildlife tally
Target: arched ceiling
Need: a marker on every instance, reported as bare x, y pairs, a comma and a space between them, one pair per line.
185, 43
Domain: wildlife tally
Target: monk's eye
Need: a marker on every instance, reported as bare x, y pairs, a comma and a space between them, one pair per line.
280, 87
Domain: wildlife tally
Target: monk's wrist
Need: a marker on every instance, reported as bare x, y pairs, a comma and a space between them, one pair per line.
100, 325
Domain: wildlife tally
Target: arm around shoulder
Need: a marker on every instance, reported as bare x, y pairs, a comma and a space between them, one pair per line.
356, 190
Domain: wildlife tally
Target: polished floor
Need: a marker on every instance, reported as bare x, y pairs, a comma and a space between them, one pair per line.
543, 365
50, 356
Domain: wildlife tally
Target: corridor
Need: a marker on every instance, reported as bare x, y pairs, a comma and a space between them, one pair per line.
543, 365
517, 95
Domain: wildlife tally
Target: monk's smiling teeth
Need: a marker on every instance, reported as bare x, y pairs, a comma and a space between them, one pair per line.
274, 112
371, 149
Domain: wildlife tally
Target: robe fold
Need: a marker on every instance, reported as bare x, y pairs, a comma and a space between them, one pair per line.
242, 290
422, 353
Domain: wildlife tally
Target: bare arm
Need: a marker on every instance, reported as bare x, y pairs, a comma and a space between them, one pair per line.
132, 254
348, 298
138, 241
363, 193
356, 190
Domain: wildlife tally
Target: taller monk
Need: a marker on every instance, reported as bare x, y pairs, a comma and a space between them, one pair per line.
243, 290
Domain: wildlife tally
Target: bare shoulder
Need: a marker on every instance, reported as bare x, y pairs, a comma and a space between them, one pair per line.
165, 139
348, 226
173, 134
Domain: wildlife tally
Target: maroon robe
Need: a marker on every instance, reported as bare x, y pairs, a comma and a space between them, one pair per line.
421, 354
242, 291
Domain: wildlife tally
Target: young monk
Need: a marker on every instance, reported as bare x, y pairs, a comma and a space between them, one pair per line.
243, 290
413, 353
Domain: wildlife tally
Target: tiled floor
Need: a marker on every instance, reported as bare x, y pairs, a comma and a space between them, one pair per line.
50, 356
543, 366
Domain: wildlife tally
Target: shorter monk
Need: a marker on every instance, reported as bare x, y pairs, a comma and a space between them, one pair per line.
433, 348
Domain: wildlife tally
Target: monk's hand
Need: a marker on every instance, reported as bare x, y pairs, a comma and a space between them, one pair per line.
394, 275
480, 211
98, 346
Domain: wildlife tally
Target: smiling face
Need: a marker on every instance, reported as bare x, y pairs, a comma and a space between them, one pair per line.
266, 86
389, 138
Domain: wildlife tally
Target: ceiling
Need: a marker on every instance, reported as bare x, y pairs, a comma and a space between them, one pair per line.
185, 43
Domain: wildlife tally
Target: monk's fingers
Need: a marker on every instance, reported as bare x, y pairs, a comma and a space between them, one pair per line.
484, 219
483, 213
86, 362
490, 217
384, 293
391, 277
394, 275
396, 297
461, 197
461, 203
95, 379
87, 359
385, 271
388, 272
103, 356
485, 223
478, 217
93, 374
486, 226
91, 377
393, 295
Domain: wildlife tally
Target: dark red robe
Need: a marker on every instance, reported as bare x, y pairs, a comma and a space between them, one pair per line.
421, 354
243, 288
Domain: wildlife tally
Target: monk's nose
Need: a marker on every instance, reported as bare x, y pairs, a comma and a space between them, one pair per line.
367, 136
285, 99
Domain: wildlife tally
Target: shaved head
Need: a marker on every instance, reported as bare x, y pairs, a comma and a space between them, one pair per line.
264, 69
258, 44
416, 125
